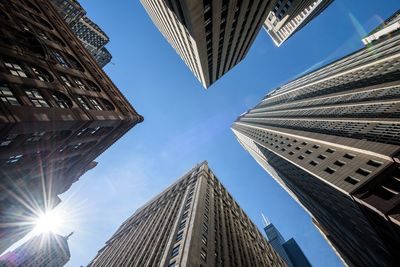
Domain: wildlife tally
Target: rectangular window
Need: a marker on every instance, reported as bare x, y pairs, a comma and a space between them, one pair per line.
204, 239
60, 59
322, 157
182, 225
7, 96
329, 170
175, 251
348, 156
363, 172
36, 98
179, 236
314, 163
316, 146
308, 152
13, 159
95, 104
205, 227
339, 163
15, 69
65, 81
374, 163
203, 254
300, 157
329, 150
351, 180
80, 84
83, 102
172, 264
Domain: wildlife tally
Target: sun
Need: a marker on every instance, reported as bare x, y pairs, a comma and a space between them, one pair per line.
50, 221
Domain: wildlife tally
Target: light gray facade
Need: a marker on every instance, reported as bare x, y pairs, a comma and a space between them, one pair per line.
194, 222
331, 139
211, 37
286, 17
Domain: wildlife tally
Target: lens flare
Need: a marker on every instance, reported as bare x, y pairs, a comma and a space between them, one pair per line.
48, 222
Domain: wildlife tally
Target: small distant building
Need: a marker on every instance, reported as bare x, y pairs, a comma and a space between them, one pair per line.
289, 250
103, 57
70, 10
389, 27
44, 250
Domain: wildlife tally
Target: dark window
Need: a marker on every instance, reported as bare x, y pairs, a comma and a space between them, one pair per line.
322, 157
83, 102
79, 83
329, 150
329, 170
95, 104
16, 69
348, 156
300, 157
36, 98
42, 74
308, 152
314, 163
66, 81
14, 159
60, 59
179, 236
203, 254
7, 96
315, 146
363, 172
62, 100
351, 180
175, 251
339, 163
374, 163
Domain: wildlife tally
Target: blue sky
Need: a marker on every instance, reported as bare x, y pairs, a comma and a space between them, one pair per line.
185, 124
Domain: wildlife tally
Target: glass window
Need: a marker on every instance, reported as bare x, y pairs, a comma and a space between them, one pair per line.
7, 96
60, 59
80, 84
36, 98
8, 139
203, 254
13, 159
35, 137
15, 69
95, 104
83, 102
42, 74
175, 251
60, 100
65, 81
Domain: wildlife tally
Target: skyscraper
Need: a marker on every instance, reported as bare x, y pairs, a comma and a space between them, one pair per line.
58, 112
211, 37
89, 33
289, 250
44, 250
331, 139
286, 17
194, 222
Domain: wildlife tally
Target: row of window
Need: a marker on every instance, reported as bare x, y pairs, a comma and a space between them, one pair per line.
38, 99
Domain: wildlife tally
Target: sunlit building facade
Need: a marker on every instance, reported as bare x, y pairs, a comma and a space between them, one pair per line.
211, 37
47, 249
194, 222
58, 112
331, 139
286, 17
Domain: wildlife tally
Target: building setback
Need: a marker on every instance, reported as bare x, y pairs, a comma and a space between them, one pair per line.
91, 35
289, 250
286, 17
58, 112
194, 222
331, 139
211, 37
44, 250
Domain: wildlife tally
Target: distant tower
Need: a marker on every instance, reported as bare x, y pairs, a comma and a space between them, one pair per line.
288, 250
211, 36
194, 222
286, 17
331, 139
44, 250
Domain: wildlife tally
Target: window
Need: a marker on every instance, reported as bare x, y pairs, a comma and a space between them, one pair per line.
339, 163
322, 157
297, 148
60, 59
363, 172
65, 81
83, 102
182, 225
203, 254
35, 137
36, 98
308, 152
329, 170
314, 163
179, 236
95, 104
172, 264
351, 180
42, 74
175, 251
15, 69
204, 239
316, 146
61, 100
13, 159
300, 157
291, 153
348, 156
329, 150
80, 84
374, 163
7, 140
7, 96
205, 227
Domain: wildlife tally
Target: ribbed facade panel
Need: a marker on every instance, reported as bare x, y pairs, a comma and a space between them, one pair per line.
194, 222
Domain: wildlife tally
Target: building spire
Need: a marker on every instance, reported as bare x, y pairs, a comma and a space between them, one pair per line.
68, 236
265, 220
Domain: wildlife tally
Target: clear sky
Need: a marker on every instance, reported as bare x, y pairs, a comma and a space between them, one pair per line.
186, 124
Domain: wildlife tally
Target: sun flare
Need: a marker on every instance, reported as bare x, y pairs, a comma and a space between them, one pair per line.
48, 222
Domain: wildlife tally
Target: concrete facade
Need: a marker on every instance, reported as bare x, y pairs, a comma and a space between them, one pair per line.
286, 17
58, 112
194, 222
211, 37
330, 138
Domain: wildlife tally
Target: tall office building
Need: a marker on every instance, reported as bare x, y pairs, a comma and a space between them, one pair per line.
58, 112
331, 139
44, 250
210, 36
91, 35
286, 17
289, 250
194, 222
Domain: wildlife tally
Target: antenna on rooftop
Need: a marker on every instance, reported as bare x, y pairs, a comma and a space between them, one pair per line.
265, 220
